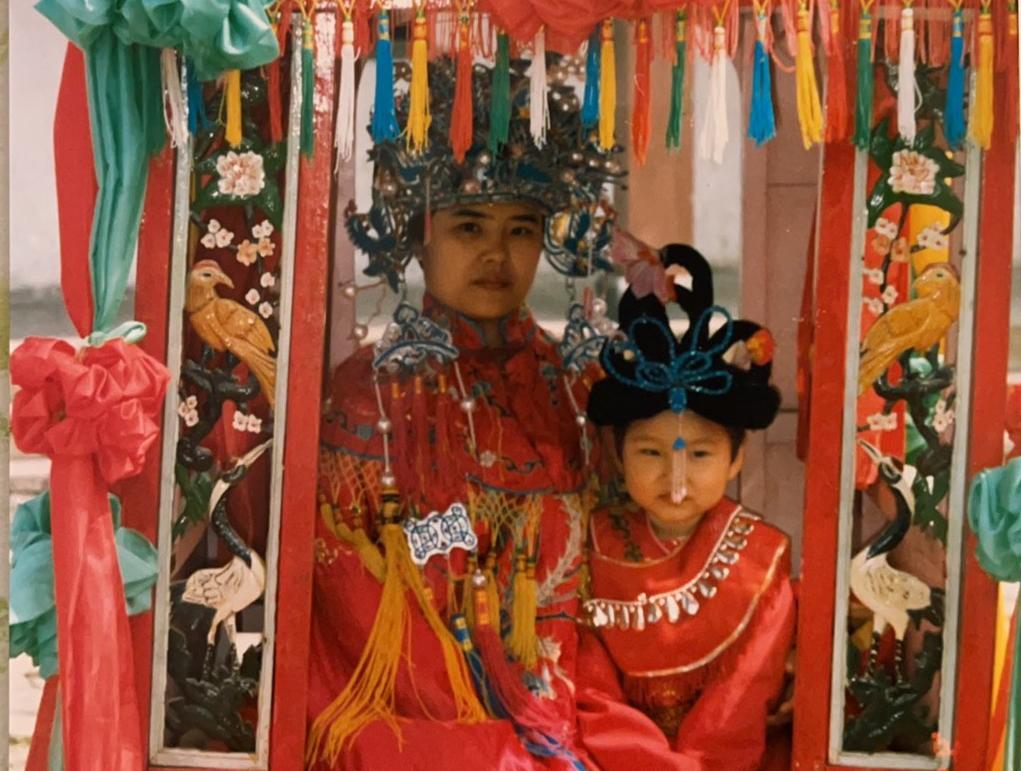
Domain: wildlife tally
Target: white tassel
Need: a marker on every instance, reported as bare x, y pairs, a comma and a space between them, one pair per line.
175, 110
538, 108
713, 140
344, 131
906, 76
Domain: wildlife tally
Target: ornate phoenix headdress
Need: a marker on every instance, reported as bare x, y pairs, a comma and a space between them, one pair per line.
564, 175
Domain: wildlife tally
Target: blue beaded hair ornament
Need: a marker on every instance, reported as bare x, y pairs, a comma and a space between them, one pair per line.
721, 375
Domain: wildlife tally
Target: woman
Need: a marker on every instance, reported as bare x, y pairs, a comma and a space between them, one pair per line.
462, 412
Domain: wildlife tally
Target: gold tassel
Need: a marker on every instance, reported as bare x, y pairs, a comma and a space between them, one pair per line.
233, 96
492, 593
369, 694
418, 111
981, 128
607, 87
367, 551
522, 642
809, 107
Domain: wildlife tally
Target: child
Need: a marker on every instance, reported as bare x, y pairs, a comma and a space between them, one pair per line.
691, 612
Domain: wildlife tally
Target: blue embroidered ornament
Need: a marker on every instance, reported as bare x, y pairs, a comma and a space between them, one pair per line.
410, 339
581, 342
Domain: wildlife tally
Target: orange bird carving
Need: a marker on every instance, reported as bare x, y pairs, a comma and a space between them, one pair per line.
918, 324
227, 325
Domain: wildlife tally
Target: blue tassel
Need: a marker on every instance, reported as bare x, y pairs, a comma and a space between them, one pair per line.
761, 121
384, 113
953, 111
590, 106
489, 700
197, 118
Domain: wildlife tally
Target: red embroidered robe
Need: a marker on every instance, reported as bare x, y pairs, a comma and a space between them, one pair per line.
689, 643
526, 478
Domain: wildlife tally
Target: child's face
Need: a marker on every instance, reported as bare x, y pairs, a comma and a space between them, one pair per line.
647, 456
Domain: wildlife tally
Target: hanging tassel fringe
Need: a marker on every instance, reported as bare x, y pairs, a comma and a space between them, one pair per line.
538, 106
641, 111
308, 85
522, 642
500, 103
676, 117
506, 679
232, 131
384, 112
590, 105
809, 108
173, 99
714, 136
459, 625
981, 129
418, 110
607, 87
906, 75
197, 118
369, 694
344, 136
461, 114
865, 75
761, 120
837, 118
953, 111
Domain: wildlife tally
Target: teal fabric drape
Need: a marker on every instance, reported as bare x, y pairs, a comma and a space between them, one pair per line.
33, 612
994, 513
122, 41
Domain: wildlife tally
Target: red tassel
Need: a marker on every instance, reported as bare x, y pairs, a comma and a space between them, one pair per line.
837, 114
276, 119
420, 432
505, 676
461, 118
640, 113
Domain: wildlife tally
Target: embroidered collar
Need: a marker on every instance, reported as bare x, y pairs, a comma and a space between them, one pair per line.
517, 329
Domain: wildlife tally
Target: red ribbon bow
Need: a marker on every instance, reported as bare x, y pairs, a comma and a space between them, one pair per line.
95, 414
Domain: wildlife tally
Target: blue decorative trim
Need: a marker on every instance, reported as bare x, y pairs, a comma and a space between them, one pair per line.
410, 339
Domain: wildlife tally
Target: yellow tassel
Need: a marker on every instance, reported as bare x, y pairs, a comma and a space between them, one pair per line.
522, 641
369, 695
607, 87
233, 133
981, 127
809, 108
492, 593
418, 111
367, 551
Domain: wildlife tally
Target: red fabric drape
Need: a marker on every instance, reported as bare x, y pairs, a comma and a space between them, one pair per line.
94, 414
76, 189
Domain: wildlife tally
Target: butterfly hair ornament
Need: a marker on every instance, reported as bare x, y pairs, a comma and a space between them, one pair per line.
721, 374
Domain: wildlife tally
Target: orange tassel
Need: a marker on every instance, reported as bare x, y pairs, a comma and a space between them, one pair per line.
837, 114
640, 113
461, 116
1011, 117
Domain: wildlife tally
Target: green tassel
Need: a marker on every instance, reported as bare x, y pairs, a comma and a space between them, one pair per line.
863, 102
500, 104
308, 83
673, 125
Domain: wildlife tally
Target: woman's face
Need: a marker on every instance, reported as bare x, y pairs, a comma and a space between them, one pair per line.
481, 258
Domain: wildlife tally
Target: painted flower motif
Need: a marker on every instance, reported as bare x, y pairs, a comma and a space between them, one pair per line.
263, 230
192, 401
942, 418
217, 236
889, 295
886, 228
873, 304
880, 422
188, 410
900, 252
240, 422
253, 296
266, 247
241, 174
248, 252
873, 276
932, 238
265, 310
253, 424
881, 245
487, 458
913, 173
